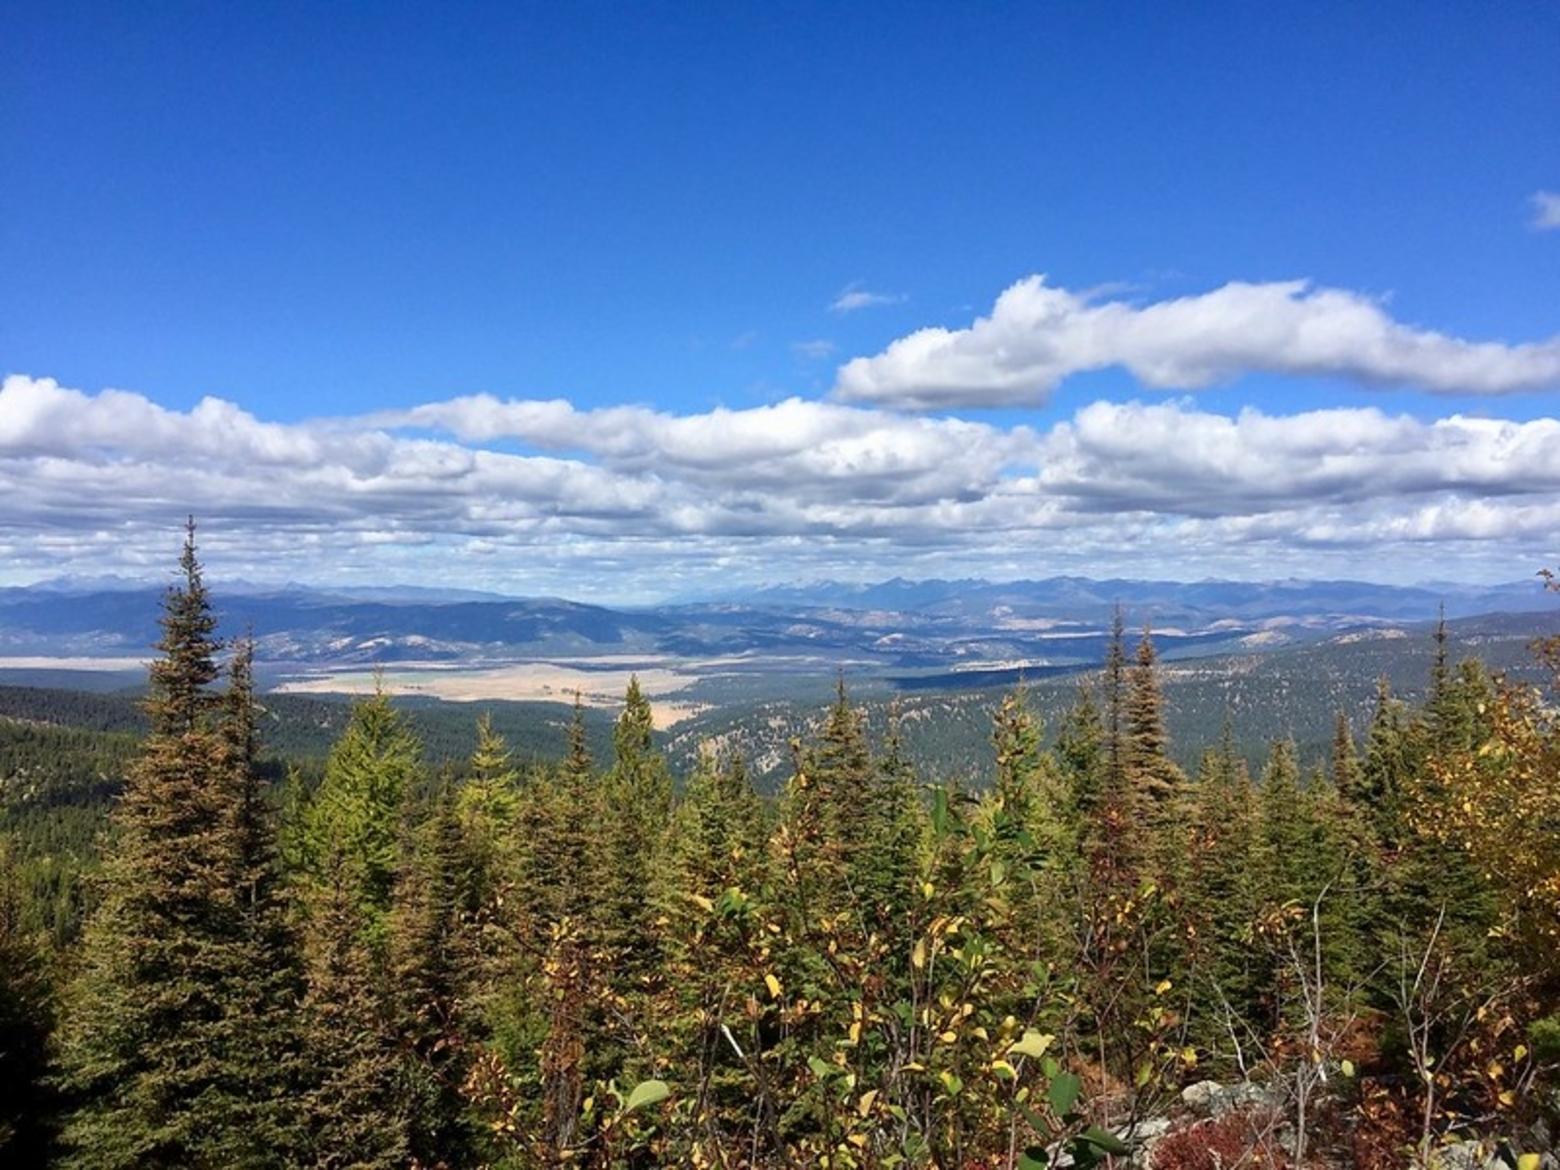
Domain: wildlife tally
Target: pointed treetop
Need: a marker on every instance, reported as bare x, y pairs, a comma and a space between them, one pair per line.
578, 762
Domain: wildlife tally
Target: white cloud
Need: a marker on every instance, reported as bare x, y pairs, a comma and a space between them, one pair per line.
853, 297
815, 350
1546, 211
631, 502
1038, 335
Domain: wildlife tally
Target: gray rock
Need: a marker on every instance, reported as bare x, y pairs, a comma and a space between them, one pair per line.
1205, 1098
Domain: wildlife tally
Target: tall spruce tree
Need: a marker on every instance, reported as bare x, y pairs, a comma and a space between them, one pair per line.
1157, 783
26, 1018
1345, 761
355, 819
174, 1020
430, 959
1080, 750
636, 814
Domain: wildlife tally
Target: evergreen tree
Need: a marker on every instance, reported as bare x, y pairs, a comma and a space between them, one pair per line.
1390, 761
636, 813
26, 1017
1016, 740
1116, 704
355, 818
1080, 748
354, 1104
1222, 895
430, 962
174, 1019
1345, 760
1157, 784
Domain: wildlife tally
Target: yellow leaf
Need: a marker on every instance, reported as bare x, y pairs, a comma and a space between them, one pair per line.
1507, 1098
918, 955
948, 1037
1162, 986
864, 1106
1528, 1161
1033, 1044
774, 986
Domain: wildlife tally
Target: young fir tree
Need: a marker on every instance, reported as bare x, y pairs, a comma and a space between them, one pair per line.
1115, 683
1222, 897
557, 825
895, 838
489, 800
1158, 785
1286, 831
636, 814
430, 960
1345, 761
354, 1101
175, 1022
1080, 749
351, 849
355, 818
26, 1018
1391, 759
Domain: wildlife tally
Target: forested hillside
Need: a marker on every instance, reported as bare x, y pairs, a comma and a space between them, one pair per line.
386, 959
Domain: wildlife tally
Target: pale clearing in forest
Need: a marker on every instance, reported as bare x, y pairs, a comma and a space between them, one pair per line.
521, 681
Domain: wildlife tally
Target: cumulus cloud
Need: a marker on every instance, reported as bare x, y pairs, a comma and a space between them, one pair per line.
542, 496
1038, 335
853, 297
1546, 211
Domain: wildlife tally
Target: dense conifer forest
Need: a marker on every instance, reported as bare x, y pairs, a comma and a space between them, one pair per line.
375, 961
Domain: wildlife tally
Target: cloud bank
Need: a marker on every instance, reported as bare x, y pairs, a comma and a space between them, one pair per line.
626, 502
1038, 335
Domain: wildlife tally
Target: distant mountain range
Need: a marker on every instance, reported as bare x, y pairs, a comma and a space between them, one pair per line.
1071, 598
895, 628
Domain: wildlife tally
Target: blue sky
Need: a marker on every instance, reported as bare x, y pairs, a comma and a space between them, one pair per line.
343, 210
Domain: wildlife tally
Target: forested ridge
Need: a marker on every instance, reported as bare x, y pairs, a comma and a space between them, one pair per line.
592, 962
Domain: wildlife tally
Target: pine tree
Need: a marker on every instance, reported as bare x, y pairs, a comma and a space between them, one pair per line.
351, 846
1345, 760
355, 818
489, 801
636, 815
557, 823
1390, 761
1016, 740
354, 1103
1286, 832
1115, 704
1158, 785
174, 1019
430, 960
1222, 895
1080, 748
26, 1018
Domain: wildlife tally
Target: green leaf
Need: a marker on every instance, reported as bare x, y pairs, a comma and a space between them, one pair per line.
1063, 1093
645, 1094
1103, 1139
1034, 1158
940, 810
822, 1069
1037, 1123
